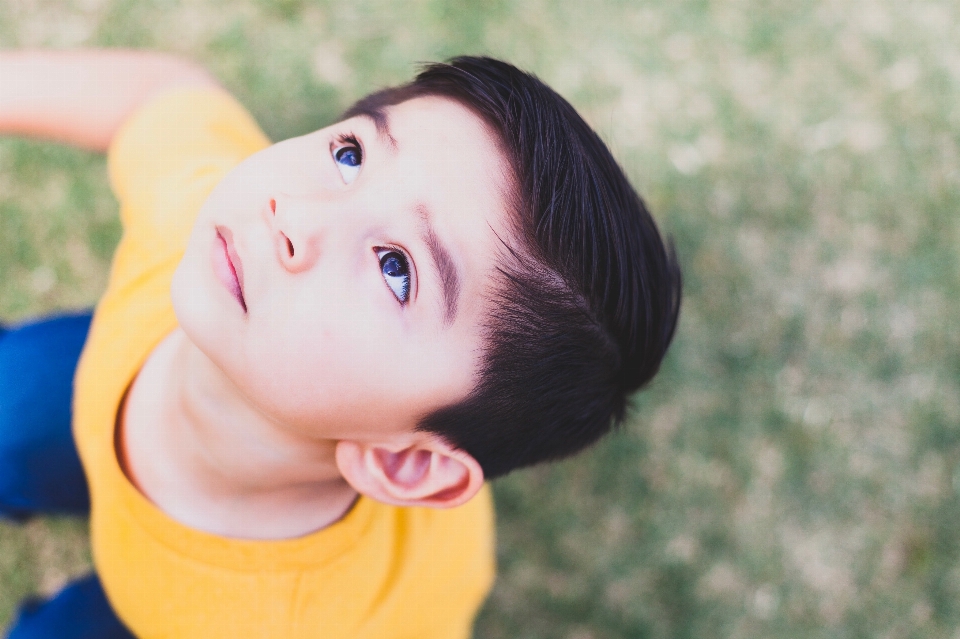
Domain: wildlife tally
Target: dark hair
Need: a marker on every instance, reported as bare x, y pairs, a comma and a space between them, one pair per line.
589, 294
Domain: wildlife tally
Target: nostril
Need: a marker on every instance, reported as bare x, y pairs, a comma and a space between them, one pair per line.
273, 206
289, 247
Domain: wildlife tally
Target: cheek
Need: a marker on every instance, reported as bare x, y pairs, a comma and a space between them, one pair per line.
317, 367
280, 375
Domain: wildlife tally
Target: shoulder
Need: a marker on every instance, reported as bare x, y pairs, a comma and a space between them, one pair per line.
177, 125
168, 156
442, 567
462, 539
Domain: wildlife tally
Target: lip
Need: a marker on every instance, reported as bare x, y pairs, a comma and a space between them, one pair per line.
227, 265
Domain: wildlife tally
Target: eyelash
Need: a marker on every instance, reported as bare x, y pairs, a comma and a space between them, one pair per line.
348, 139
347, 142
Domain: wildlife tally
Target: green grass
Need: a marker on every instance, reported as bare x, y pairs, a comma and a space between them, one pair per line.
795, 469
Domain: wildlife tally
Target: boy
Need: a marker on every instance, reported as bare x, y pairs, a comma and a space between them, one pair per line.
311, 355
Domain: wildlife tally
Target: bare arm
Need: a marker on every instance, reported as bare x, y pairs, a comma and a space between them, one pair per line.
82, 97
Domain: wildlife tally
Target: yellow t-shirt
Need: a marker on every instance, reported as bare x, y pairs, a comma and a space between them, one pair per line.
381, 572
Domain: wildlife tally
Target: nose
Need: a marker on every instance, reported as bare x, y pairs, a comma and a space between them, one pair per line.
295, 224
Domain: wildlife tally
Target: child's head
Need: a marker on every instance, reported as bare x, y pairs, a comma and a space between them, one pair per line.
456, 277
586, 297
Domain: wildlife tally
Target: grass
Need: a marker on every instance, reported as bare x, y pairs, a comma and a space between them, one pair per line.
795, 469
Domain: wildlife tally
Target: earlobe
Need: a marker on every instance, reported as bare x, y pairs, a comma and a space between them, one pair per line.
427, 472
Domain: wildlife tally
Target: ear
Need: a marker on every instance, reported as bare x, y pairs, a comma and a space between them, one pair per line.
426, 472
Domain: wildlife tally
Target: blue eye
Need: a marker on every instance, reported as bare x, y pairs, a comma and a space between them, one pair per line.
349, 158
396, 273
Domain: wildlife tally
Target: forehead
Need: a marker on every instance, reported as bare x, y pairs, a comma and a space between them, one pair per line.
447, 159
455, 139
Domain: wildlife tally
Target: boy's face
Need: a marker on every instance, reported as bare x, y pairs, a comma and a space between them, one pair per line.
337, 278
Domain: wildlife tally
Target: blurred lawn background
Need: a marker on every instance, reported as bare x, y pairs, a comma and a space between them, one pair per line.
795, 469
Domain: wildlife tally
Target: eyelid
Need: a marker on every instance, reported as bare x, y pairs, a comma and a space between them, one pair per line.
346, 138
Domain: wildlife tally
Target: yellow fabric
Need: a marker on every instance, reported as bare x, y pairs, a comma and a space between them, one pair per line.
381, 572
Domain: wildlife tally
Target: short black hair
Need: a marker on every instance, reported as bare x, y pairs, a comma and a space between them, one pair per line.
589, 292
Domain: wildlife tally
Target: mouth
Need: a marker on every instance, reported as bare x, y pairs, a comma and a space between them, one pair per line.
227, 266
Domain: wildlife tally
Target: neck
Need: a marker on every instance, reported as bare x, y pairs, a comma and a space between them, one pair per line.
225, 467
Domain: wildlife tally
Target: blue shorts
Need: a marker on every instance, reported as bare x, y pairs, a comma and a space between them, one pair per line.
40, 472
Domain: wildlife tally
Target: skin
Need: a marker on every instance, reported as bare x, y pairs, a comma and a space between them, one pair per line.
265, 419
277, 407
82, 97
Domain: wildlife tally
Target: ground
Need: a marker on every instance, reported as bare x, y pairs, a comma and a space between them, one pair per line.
794, 471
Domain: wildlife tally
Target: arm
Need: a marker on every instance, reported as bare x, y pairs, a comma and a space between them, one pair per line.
82, 97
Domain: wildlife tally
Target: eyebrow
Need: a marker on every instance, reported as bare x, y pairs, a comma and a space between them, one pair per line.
381, 121
444, 265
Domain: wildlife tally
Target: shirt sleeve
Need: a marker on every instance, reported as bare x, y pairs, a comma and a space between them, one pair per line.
168, 156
